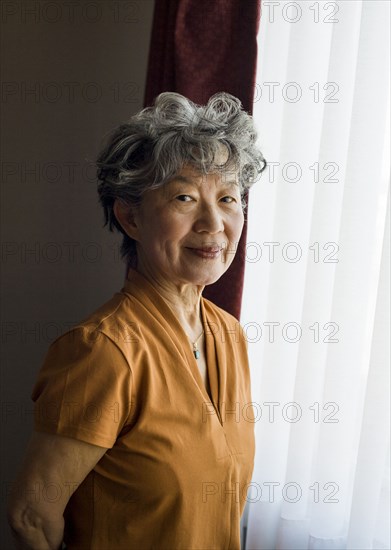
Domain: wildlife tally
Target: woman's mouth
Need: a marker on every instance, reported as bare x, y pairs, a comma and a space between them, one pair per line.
207, 252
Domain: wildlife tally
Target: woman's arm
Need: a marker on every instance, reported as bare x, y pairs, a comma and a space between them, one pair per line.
53, 468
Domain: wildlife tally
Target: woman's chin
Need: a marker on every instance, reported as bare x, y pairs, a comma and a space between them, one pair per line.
205, 277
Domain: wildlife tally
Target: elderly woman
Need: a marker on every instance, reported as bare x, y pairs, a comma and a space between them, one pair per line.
143, 420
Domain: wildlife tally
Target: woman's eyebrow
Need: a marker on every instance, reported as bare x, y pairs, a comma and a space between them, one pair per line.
195, 183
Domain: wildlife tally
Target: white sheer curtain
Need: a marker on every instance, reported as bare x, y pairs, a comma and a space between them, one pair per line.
316, 301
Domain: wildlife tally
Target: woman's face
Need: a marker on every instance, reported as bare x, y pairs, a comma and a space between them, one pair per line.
188, 230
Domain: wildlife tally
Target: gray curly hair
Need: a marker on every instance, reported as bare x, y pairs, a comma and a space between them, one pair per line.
154, 145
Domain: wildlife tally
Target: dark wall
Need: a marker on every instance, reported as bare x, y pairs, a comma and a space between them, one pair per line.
71, 71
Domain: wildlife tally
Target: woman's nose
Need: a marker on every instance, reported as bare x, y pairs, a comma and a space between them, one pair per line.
209, 219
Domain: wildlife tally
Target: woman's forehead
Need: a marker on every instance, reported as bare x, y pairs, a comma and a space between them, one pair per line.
190, 175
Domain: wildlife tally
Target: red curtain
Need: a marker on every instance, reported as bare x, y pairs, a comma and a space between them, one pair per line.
198, 48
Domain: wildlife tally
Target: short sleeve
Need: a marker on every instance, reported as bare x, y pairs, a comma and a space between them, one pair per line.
84, 388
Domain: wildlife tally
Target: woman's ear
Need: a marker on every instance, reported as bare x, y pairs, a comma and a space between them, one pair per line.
125, 214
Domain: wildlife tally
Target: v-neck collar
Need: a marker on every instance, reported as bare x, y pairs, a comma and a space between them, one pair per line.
141, 288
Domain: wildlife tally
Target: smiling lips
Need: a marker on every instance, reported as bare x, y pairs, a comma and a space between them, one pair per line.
207, 252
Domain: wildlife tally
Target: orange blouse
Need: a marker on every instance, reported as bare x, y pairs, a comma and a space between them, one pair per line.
176, 472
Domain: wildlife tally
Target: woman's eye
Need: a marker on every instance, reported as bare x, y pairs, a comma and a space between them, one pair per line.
183, 198
228, 199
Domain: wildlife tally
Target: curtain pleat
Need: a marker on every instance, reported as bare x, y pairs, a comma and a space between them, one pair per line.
368, 502
198, 48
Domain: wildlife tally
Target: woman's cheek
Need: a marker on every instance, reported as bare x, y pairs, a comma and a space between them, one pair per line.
239, 225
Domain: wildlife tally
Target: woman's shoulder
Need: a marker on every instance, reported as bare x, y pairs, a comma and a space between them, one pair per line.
115, 320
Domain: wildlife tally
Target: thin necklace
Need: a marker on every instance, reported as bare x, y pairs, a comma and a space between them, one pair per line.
196, 351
